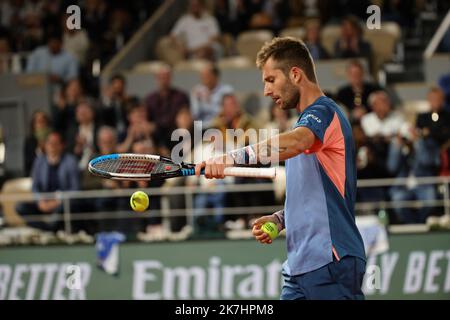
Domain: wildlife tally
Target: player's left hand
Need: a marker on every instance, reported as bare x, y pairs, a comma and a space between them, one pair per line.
214, 167
260, 235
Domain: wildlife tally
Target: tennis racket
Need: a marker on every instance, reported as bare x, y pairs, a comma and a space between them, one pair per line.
130, 166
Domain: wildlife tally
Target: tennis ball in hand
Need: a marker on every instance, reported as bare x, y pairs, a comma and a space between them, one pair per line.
139, 201
271, 229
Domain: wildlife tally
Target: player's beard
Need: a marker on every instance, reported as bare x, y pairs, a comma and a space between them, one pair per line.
291, 97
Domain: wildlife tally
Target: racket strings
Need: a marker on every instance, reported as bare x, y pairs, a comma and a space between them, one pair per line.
126, 166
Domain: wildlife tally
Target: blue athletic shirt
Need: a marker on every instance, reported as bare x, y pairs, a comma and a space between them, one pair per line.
320, 193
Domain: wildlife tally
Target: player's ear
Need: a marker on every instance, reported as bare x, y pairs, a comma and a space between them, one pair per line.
295, 75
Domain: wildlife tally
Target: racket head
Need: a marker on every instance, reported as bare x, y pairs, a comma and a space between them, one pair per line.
129, 166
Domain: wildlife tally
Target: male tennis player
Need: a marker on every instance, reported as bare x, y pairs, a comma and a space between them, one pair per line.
326, 258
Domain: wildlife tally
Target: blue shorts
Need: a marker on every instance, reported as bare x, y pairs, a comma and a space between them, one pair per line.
338, 280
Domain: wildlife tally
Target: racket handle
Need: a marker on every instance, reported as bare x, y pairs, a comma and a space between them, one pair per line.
251, 172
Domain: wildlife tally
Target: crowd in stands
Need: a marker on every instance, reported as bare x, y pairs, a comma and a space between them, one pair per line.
82, 125
39, 28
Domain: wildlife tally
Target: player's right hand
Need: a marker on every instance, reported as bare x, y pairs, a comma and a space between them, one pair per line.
214, 167
260, 235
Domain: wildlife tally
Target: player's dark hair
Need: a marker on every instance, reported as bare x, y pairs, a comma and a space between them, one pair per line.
287, 52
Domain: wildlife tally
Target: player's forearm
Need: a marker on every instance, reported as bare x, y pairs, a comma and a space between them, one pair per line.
275, 149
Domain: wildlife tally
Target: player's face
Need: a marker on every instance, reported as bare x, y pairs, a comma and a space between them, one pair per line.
279, 87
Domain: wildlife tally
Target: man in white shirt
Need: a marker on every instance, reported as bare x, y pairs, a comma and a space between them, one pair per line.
382, 121
197, 33
206, 98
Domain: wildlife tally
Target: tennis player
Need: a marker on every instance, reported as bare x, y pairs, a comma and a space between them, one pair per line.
325, 251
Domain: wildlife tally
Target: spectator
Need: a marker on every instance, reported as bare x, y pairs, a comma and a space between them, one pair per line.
312, 40
267, 14
95, 19
185, 123
5, 53
119, 31
81, 135
182, 150
197, 33
54, 171
381, 125
233, 117
280, 119
206, 223
231, 120
106, 140
444, 84
382, 121
368, 166
75, 42
301, 10
164, 103
436, 123
354, 95
32, 32
35, 142
206, 98
114, 100
139, 127
340, 9
351, 43
107, 143
153, 226
63, 112
231, 15
411, 158
53, 59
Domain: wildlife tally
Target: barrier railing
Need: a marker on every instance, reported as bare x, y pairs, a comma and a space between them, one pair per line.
189, 192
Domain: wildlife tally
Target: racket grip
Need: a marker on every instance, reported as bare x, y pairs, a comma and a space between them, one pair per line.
251, 172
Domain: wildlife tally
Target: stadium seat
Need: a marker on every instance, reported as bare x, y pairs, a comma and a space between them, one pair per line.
408, 91
236, 62
413, 107
296, 32
330, 33
383, 42
13, 187
149, 66
249, 42
228, 44
166, 51
190, 65
436, 66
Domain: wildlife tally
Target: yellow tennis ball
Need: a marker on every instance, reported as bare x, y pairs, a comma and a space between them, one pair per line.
271, 229
139, 201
